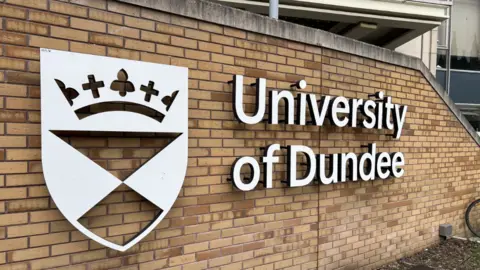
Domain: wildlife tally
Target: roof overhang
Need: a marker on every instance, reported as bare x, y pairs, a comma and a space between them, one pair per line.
395, 22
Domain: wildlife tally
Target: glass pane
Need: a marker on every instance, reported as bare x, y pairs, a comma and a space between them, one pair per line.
466, 35
441, 59
443, 34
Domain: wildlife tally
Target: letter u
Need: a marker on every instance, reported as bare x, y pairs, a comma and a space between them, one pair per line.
261, 86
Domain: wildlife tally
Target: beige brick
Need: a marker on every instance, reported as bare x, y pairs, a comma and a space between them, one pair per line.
61, 226
139, 45
23, 103
23, 129
183, 42
12, 116
22, 52
222, 59
28, 254
88, 256
139, 23
106, 40
193, 248
50, 43
67, 248
198, 55
205, 46
184, 259
88, 25
103, 221
73, 267
24, 179
123, 208
139, 258
182, 240
155, 37
34, 192
87, 48
123, 31
105, 16
156, 264
49, 263
23, 154
13, 141
47, 215
197, 265
26, 27
123, 229
13, 167
13, 38
68, 33
40, 4
13, 244
194, 191
151, 57
33, 66
47, 18
233, 51
235, 33
28, 205
169, 29
27, 230
170, 50
198, 35
13, 219
12, 12
277, 59
222, 39
13, 193
49, 239
11, 63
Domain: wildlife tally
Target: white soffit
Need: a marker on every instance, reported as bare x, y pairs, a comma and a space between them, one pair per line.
392, 13
402, 8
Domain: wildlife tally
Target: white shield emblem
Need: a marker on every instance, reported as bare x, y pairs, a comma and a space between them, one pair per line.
72, 81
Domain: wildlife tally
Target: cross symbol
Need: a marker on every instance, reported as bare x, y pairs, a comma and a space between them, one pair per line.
149, 91
93, 85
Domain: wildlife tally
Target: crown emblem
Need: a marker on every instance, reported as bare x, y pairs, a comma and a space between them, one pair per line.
124, 88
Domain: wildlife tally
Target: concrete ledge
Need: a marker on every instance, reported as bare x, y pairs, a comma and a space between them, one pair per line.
235, 18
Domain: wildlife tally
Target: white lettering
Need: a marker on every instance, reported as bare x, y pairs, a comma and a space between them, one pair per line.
293, 150
399, 120
237, 177
238, 100
268, 161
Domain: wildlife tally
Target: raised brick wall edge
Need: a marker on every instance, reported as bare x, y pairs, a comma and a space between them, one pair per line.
224, 15
354, 225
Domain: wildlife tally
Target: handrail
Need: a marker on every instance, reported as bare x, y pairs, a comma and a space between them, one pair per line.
459, 70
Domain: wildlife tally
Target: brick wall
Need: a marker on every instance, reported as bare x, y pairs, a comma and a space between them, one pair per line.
211, 226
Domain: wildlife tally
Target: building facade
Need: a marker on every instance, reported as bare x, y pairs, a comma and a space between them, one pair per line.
213, 225
464, 72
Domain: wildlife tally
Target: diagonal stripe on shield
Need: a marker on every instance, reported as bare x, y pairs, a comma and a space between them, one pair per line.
77, 184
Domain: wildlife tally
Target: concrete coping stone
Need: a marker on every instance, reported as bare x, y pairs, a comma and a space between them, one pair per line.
228, 16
